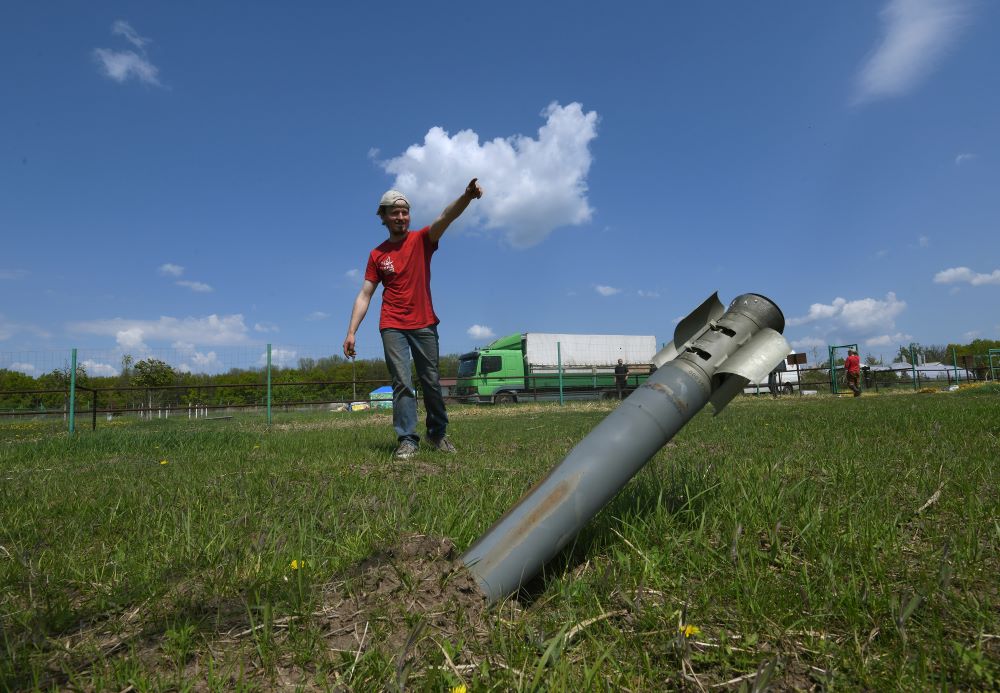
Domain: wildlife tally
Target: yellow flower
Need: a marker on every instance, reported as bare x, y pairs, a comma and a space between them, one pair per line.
164, 462
296, 564
460, 688
690, 630
255, 447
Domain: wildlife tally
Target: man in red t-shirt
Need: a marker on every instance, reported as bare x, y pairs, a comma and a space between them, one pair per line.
402, 264
852, 369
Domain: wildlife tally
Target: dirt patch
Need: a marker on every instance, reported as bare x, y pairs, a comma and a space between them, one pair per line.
403, 603
408, 594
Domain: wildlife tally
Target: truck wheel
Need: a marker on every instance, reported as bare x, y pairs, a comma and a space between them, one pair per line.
505, 398
789, 389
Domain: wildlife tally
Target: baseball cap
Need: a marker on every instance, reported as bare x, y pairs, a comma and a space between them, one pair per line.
390, 199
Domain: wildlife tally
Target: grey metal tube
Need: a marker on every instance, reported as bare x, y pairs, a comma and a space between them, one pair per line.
549, 515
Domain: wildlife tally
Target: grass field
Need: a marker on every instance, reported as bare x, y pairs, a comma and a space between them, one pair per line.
795, 543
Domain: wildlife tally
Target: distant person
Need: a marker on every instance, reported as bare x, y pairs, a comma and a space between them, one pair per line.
772, 383
852, 371
408, 324
621, 378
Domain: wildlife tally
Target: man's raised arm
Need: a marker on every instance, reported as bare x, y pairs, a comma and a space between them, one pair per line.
454, 210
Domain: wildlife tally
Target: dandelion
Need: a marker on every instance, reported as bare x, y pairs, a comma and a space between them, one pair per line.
164, 462
296, 564
689, 630
460, 688
255, 447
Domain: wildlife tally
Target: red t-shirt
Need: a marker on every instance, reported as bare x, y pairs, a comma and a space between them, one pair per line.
404, 269
852, 364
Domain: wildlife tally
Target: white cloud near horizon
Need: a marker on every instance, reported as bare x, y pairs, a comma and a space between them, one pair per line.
265, 327
136, 335
863, 315
954, 275
98, 369
480, 332
169, 269
120, 66
808, 343
26, 368
888, 340
282, 358
917, 35
604, 290
531, 186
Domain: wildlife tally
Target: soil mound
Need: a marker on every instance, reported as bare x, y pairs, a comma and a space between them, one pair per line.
415, 591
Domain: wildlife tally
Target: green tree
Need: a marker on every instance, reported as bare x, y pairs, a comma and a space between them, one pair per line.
151, 374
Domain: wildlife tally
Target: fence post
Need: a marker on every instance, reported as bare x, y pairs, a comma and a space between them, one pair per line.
268, 384
559, 363
954, 361
913, 366
72, 393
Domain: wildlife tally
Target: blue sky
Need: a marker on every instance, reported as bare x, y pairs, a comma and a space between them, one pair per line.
198, 179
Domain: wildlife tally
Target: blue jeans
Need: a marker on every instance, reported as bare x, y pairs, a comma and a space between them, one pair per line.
423, 345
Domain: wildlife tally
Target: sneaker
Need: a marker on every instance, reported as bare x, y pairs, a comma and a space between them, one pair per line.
442, 444
406, 450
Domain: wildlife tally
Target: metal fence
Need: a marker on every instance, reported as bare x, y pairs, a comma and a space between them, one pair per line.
209, 399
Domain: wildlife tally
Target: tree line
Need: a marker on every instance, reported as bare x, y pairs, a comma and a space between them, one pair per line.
150, 383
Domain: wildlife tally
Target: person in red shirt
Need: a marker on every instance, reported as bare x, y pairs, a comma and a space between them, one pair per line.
852, 369
408, 324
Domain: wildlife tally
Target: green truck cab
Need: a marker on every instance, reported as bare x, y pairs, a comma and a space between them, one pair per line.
536, 366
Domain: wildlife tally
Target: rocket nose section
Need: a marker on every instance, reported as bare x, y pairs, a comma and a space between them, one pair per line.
761, 310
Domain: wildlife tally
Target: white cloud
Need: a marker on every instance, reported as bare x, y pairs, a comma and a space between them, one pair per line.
863, 315
122, 65
134, 335
808, 343
123, 28
648, 294
26, 368
353, 274
888, 340
9, 329
606, 290
13, 274
199, 287
918, 34
265, 327
963, 158
171, 270
282, 358
480, 332
879, 254
954, 275
819, 311
923, 241
317, 315
531, 186
971, 334
98, 369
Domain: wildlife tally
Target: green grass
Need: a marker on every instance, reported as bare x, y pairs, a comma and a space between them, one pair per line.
812, 541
